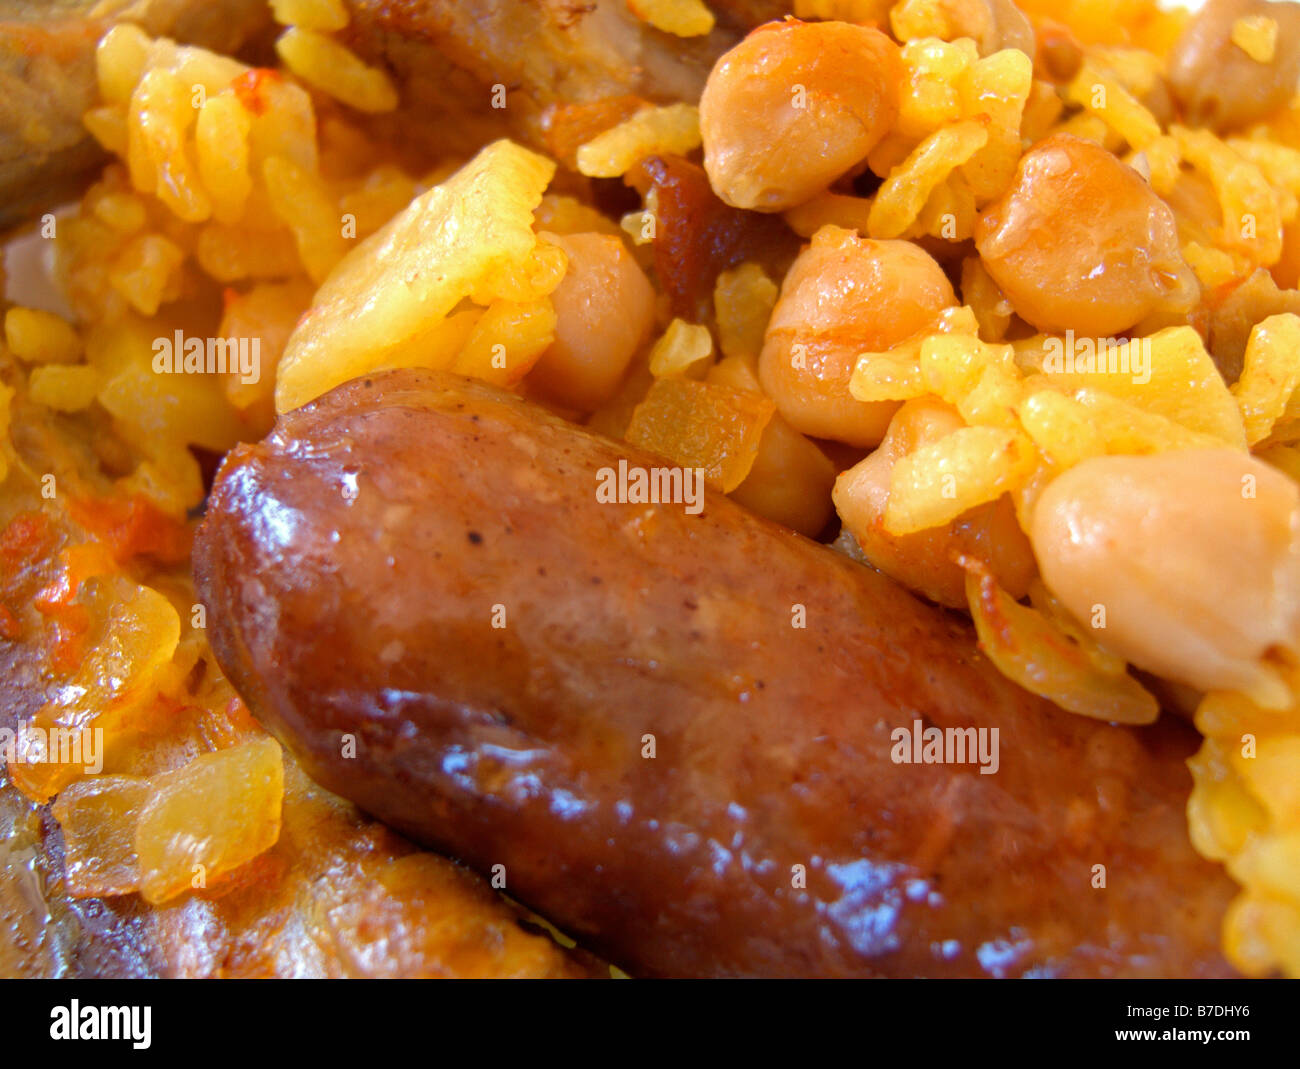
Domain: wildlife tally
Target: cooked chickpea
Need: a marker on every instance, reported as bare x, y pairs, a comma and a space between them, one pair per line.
790, 482
793, 107
924, 561
1060, 55
791, 479
604, 309
844, 296
1081, 242
1217, 82
1194, 558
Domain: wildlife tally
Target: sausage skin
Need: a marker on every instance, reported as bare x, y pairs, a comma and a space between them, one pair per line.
354, 564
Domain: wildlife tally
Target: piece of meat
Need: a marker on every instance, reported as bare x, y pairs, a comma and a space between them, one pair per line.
337, 895
47, 81
447, 56
698, 236
421, 563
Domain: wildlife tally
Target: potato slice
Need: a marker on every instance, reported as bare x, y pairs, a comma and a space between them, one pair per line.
1271, 374
703, 425
98, 817
213, 815
1168, 374
133, 633
1031, 649
467, 237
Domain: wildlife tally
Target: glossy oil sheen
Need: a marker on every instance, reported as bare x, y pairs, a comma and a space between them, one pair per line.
351, 564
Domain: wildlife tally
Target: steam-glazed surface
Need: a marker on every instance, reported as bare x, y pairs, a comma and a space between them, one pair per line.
355, 563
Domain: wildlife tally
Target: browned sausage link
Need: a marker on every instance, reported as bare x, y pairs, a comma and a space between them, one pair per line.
354, 565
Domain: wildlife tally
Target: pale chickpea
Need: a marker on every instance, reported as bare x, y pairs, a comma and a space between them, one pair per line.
604, 309
1191, 560
793, 107
845, 296
1081, 242
1217, 82
791, 479
925, 561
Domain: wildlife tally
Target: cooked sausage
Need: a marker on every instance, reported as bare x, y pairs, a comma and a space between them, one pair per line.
354, 565
338, 895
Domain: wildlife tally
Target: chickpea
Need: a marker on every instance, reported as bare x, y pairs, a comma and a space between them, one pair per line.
604, 308
1159, 100
1060, 54
791, 479
924, 561
1194, 557
1081, 242
790, 482
844, 296
1217, 82
793, 107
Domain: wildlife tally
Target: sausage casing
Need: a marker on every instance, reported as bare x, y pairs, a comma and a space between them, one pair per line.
414, 585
